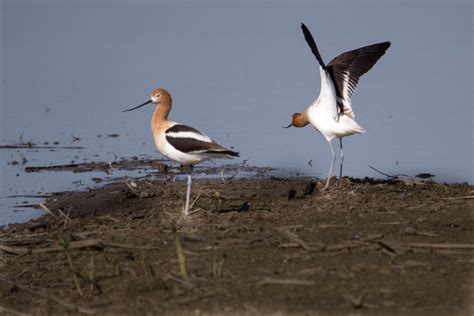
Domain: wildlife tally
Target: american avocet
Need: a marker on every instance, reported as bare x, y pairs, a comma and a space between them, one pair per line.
331, 113
178, 142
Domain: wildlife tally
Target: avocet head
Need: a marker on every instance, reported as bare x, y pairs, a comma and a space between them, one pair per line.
157, 96
160, 95
298, 120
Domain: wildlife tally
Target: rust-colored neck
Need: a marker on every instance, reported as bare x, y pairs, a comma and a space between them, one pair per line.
163, 108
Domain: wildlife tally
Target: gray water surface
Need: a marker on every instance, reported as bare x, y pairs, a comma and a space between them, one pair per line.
237, 70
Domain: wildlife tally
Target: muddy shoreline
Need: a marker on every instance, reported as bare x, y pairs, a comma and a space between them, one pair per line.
251, 246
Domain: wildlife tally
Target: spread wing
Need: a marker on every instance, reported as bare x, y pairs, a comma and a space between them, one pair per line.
348, 67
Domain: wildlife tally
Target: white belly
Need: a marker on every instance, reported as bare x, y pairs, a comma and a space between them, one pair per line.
325, 120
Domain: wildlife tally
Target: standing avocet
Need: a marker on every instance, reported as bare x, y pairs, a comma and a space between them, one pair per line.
331, 113
178, 142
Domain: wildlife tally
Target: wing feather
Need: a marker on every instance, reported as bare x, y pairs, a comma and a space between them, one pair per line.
191, 141
348, 67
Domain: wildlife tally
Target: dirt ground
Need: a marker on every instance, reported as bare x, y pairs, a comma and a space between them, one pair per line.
251, 246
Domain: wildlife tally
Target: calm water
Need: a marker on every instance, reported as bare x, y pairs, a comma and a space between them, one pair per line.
236, 71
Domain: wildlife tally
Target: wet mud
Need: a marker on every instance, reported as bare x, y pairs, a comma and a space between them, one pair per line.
249, 247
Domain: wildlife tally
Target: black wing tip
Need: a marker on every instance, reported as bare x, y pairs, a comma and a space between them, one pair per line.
312, 44
383, 45
306, 31
386, 44
224, 152
233, 153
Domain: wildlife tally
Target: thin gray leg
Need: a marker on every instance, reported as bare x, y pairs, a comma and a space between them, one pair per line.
333, 159
188, 197
342, 158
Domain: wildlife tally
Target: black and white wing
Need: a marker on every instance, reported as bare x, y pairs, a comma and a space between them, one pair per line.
191, 141
348, 67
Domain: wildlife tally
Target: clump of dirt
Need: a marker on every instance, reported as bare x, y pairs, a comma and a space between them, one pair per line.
250, 246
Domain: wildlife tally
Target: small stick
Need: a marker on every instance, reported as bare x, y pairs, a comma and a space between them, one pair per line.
51, 297
125, 246
347, 246
387, 247
178, 280
442, 246
373, 237
359, 300
266, 281
459, 197
110, 218
66, 217
67, 220
92, 273
74, 277
181, 257
382, 173
293, 237
48, 210
14, 250
87, 243
9, 311
194, 202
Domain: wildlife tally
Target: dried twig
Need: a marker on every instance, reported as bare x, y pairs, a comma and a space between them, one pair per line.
178, 280
181, 257
42, 293
67, 220
49, 211
346, 246
442, 246
9, 311
14, 250
266, 281
87, 243
358, 301
74, 277
387, 247
126, 246
295, 238
96, 243
216, 266
373, 237
459, 197
382, 173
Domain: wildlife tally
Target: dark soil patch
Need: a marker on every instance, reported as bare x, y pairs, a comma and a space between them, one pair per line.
252, 246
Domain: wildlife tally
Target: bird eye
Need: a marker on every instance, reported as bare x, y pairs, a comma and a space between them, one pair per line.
157, 95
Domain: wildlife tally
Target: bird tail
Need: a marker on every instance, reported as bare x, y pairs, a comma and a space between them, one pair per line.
352, 126
226, 154
361, 130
